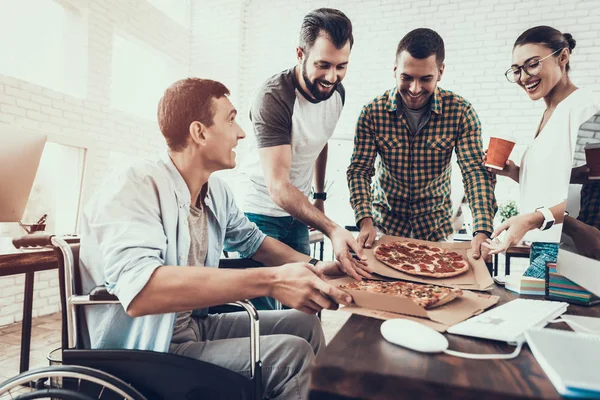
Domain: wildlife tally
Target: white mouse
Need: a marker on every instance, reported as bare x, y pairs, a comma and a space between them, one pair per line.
413, 335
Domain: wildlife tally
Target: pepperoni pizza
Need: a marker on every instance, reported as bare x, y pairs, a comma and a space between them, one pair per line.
426, 296
423, 260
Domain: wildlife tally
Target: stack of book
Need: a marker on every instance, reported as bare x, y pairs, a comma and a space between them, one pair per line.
563, 289
525, 285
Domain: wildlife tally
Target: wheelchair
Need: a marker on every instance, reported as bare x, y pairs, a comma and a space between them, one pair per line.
126, 374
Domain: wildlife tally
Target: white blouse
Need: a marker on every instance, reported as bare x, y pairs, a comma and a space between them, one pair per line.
546, 164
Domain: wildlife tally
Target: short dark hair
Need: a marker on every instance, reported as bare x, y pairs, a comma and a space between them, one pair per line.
186, 101
547, 36
334, 23
422, 43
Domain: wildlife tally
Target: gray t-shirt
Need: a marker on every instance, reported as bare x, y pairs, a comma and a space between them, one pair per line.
198, 223
417, 118
283, 114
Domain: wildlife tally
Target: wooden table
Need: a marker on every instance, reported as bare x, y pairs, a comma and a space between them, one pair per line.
359, 363
27, 263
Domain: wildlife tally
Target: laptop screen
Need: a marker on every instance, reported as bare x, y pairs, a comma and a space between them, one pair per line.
579, 255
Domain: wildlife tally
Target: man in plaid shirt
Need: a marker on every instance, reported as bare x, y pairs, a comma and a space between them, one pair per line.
414, 128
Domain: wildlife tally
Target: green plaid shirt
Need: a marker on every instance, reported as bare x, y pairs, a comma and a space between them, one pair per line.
411, 192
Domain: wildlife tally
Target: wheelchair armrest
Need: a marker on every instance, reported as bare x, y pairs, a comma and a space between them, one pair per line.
33, 240
99, 293
232, 263
256, 363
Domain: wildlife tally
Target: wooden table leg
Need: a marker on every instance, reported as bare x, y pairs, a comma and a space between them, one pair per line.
26, 323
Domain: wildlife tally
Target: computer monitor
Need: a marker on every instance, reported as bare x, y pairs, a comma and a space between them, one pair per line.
20, 153
579, 253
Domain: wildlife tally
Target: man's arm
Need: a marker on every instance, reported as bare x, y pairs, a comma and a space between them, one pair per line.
276, 163
176, 288
585, 237
273, 252
359, 175
319, 178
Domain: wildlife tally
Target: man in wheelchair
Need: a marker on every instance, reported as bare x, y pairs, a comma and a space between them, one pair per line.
145, 224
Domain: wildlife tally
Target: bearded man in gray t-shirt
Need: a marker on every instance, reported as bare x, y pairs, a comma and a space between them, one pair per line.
293, 116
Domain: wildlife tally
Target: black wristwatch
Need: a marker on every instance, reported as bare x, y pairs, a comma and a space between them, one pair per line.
320, 196
314, 261
488, 234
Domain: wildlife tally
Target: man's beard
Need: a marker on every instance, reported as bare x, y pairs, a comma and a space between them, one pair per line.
313, 87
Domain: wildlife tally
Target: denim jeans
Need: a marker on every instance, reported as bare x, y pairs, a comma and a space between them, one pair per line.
288, 230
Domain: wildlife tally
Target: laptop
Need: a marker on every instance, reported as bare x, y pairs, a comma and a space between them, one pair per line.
20, 152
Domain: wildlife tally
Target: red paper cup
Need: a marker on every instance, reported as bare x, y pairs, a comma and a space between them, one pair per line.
498, 152
592, 159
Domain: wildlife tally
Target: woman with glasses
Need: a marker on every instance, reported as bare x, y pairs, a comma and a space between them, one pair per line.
541, 68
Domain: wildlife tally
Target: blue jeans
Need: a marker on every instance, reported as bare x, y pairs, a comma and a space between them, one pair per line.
288, 230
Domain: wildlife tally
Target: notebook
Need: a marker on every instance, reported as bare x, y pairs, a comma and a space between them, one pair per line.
525, 285
569, 359
559, 288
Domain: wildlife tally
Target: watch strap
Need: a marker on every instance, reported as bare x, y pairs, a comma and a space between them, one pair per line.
320, 196
313, 261
548, 218
488, 234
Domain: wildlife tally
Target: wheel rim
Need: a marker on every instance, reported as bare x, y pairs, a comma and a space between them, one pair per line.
108, 383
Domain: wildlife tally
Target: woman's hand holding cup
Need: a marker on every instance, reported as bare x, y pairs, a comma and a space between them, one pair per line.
496, 159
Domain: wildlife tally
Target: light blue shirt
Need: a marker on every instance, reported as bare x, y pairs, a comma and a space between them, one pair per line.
137, 221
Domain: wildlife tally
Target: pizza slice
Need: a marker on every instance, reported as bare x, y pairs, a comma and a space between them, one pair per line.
426, 296
421, 260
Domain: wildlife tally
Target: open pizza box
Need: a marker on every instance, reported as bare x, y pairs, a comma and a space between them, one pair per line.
385, 306
476, 278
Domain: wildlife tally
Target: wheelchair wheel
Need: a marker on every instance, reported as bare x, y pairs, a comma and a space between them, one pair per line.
78, 383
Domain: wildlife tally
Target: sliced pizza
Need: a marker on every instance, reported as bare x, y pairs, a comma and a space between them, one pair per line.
421, 260
426, 296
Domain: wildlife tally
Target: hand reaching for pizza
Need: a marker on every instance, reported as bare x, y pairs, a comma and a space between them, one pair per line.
479, 250
342, 242
368, 233
299, 286
516, 227
335, 268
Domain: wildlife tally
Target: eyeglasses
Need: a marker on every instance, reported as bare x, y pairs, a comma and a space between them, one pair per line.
531, 68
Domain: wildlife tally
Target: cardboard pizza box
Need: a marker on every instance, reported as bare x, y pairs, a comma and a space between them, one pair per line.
385, 306
476, 278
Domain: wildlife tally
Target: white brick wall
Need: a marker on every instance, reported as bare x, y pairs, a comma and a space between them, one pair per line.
589, 133
89, 122
478, 36
242, 42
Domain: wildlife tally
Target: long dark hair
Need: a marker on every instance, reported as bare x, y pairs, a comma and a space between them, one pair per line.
549, 37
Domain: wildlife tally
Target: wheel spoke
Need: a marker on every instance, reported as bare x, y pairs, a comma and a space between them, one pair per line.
101, 392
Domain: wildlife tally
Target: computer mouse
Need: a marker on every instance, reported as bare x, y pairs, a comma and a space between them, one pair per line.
413, 335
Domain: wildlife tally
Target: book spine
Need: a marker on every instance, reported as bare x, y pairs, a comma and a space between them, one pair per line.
547, 278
